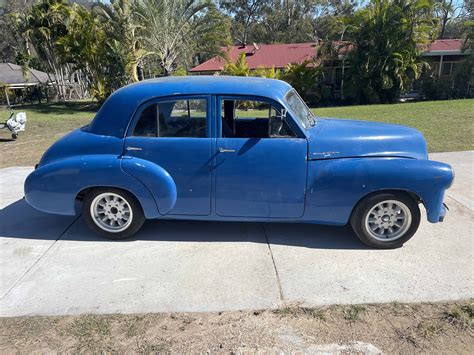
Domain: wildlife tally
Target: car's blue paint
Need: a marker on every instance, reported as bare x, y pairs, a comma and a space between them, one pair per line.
335, 186
318, 177
158, 181
187, 161
337, 138
54, 187
268, 174
80, 142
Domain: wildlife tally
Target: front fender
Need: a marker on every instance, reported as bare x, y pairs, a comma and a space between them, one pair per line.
53, 187
335, 186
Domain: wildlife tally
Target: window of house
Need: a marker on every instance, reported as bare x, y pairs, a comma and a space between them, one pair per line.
179, 118
252, 119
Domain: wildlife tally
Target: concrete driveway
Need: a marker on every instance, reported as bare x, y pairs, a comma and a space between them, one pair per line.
52, 265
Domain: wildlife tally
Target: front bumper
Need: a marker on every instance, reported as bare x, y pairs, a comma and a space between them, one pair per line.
443, 212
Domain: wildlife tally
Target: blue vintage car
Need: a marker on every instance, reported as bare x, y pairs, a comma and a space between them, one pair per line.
237, 149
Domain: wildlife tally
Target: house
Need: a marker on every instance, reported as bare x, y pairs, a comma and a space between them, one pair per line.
442, 55
257, 56
14, 77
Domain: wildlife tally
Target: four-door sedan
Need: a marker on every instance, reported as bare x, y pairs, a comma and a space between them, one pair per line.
237, 149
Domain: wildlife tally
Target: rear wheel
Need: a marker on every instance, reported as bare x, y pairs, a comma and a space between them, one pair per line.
112, 213
386, 220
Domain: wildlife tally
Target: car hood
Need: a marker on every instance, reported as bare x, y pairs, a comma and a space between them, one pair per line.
341, 138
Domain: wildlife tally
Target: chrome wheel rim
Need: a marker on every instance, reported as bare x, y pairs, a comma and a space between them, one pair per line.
388, 220
111, 212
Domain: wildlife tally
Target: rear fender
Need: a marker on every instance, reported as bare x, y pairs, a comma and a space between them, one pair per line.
160, 184
53, 187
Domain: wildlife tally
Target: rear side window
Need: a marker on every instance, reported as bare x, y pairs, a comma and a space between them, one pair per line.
146, 125
179, 118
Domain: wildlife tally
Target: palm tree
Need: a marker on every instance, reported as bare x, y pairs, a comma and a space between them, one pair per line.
387, 37
42, 25
307, 78
239, 68
122, 29
175, 30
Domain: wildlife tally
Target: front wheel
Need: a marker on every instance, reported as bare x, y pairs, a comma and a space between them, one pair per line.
386, 220
112, 213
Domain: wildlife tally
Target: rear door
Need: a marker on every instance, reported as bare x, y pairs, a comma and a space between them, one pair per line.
260, 161
176, 135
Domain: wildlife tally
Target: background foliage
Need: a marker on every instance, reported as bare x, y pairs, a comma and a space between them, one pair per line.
103, 45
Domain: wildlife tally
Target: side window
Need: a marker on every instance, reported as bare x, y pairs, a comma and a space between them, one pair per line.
180, 118
146, 125
252, 119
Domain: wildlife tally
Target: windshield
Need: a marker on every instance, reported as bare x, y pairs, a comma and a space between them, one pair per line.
299, 108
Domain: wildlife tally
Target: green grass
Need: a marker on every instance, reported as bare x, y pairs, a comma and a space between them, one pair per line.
446, 125
45, 124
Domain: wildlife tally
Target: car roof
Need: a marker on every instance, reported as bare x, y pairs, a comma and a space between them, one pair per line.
116, 112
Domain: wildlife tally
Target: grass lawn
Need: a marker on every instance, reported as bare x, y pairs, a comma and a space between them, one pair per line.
45, 124
447, 125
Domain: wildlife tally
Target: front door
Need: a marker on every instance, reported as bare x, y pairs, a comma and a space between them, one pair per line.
175, 134
260, 162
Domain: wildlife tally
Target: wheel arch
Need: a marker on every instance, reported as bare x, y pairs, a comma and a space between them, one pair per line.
408, 193
87, 190
336, 186
55, 187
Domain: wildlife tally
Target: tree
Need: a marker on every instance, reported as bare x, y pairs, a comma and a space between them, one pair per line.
327, 24
245, 14
307, 78
239, 68
446, 11
90, 54
386, 39
12, 44
121, 26
287, 21
42, 25
173, 30
269, 73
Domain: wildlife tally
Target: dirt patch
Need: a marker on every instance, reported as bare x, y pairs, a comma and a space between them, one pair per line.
389, 328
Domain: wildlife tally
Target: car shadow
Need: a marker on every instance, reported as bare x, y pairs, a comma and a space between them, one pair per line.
19, 220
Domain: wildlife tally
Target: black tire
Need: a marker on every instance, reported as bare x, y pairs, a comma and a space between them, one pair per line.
359, 215
14, 135
136, 215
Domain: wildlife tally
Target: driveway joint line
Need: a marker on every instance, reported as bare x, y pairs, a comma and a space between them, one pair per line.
20, 279
448, 194
277, 275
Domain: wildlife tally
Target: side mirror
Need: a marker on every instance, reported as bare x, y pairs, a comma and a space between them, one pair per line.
282, 115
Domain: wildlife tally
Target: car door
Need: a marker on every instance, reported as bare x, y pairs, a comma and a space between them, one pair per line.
175, 134
260, 161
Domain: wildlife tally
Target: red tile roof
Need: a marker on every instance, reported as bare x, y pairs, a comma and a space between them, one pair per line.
280, 55
446, 45
264, 55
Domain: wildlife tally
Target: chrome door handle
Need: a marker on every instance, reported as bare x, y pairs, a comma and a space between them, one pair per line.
133, 148
224, 150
